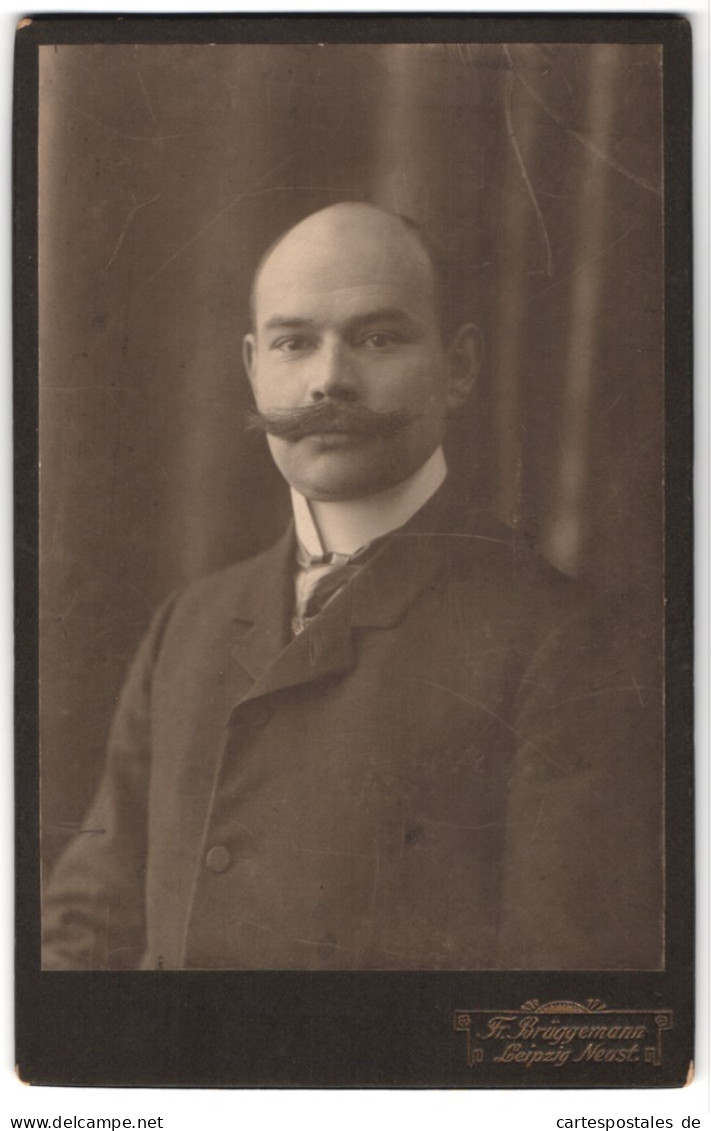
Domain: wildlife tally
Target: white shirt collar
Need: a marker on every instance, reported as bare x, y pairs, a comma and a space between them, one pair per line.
344, 527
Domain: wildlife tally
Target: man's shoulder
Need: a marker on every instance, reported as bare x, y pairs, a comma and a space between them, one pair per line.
488, 563
486, 555
236, 587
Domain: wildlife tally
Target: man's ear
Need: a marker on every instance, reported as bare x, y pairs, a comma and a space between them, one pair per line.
249, 352
465, 354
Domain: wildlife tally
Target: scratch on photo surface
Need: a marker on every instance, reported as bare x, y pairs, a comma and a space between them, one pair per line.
126, 225
642, 701
538, 817
586, 262
334, 852
524, 172
449, 534
544, 754
471, 702
596, 695
468, 828
580, 137
142, 83
219, 213
373, 895
112, 129
282, 934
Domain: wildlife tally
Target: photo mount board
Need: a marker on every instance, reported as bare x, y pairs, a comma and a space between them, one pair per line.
338, 1028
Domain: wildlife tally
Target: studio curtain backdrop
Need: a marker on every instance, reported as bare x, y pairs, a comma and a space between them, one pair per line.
165, 171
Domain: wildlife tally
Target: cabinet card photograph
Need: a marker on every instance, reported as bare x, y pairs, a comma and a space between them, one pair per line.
358, 442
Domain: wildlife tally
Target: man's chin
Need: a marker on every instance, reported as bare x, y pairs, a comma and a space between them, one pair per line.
340, 467
339, 484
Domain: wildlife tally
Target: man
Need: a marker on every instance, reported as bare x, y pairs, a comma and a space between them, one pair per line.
396, 740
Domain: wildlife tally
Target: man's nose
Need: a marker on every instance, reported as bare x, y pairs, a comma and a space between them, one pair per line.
333, 374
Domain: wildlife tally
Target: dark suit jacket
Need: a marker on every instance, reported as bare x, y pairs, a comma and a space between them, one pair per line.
454, 767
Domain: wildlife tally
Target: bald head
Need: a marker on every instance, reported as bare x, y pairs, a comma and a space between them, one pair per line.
389, 246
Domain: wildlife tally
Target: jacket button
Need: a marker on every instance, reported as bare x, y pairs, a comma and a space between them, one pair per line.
218, 858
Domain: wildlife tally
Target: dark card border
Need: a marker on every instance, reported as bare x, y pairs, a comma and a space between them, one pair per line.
278, 1029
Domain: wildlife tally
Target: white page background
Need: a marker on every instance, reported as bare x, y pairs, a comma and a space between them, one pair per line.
181, 1110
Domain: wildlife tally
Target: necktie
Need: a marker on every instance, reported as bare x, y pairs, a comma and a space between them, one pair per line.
319, 580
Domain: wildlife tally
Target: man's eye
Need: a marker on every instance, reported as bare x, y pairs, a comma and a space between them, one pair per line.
381, 339
295, 343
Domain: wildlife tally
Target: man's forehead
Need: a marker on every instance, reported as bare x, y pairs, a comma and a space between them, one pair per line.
289, 294
347, 269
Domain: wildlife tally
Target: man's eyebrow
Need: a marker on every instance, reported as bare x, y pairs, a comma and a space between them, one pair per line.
392, 314
280, 321
384, 314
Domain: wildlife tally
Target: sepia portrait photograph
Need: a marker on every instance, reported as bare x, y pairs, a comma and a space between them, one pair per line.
351, 406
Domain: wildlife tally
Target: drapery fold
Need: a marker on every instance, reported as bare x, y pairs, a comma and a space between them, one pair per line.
165, 171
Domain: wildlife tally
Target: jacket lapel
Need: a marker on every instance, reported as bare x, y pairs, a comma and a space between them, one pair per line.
324, 648
378, 597
263, 602
265, 648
